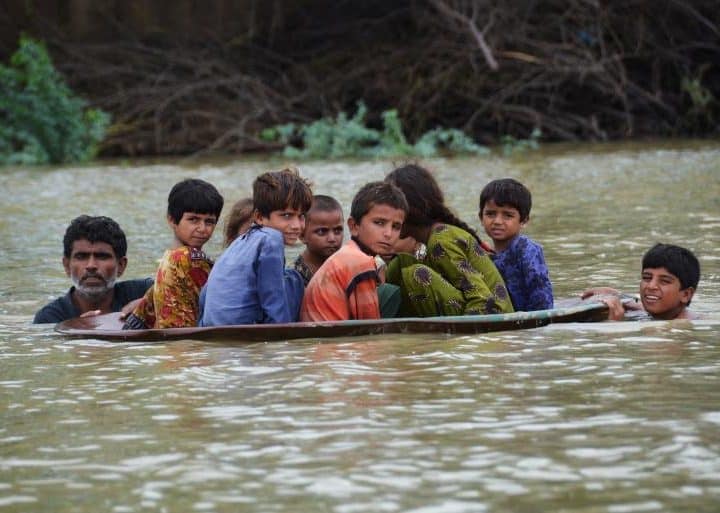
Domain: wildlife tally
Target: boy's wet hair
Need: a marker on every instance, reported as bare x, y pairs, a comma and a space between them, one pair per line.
425, 198
322, 203
278, 190
377, 193
95, 229
240, 213
507, 192
194, 195
677, 260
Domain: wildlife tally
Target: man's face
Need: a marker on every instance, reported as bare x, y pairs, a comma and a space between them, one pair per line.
93, 267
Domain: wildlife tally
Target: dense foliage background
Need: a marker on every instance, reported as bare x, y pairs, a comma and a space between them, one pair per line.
43, 120
183, 76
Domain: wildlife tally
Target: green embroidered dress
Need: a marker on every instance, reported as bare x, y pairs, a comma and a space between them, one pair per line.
457, 277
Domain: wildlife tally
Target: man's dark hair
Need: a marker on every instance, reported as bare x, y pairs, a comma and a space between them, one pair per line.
278, 190
507, 192
377, 193
95, 229
194, 195
677, 260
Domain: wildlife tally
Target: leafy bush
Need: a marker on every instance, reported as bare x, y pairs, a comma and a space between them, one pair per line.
41, 120
448, 139
512, 145
349, 137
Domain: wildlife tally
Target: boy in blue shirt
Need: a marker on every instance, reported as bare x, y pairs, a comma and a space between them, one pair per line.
504, 210
249, 283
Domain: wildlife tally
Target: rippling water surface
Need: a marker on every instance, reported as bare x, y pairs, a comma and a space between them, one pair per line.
607, 417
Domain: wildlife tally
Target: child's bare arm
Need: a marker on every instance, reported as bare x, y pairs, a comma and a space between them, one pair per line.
618, 302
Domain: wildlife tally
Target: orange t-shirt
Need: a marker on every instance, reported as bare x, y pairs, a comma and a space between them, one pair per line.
344, 287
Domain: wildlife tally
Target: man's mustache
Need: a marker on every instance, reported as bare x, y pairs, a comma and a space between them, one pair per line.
92, 276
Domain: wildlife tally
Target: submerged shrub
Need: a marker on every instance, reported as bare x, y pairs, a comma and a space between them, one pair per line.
346, 136
449, 140
41, 120
511, 145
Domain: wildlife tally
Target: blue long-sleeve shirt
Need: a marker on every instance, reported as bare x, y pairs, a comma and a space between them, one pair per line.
522, 266
249, 283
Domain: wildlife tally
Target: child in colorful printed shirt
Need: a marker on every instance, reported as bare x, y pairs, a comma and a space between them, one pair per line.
172, 302
323, 235
345, 286
249, 283
504, 210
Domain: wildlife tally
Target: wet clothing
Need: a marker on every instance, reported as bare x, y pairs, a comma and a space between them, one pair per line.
249, 283
172, 302
457, 277
345, 287
522, 266
388, 295
63, 307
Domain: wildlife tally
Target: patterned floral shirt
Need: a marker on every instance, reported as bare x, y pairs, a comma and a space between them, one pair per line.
172, 301
461, 260
522, 265
301, 267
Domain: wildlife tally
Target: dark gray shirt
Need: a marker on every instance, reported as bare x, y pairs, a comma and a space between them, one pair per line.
63, 307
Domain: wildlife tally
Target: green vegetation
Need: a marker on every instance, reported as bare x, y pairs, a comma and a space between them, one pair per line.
347, 136
579, 70
701, 112
511, 145
41, 120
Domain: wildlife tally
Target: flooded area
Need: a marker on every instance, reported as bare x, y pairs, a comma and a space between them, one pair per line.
603, 417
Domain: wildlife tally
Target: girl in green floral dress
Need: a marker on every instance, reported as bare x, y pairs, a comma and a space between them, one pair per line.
457, 276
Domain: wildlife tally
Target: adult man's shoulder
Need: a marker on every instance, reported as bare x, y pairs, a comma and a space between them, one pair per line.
63, 307
130, 290
57, 310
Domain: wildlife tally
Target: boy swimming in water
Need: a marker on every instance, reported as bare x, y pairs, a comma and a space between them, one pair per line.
670, 276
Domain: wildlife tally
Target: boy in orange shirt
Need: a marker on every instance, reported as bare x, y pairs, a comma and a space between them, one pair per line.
345, 286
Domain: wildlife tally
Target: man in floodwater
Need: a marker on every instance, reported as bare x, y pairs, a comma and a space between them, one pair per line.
94, 258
